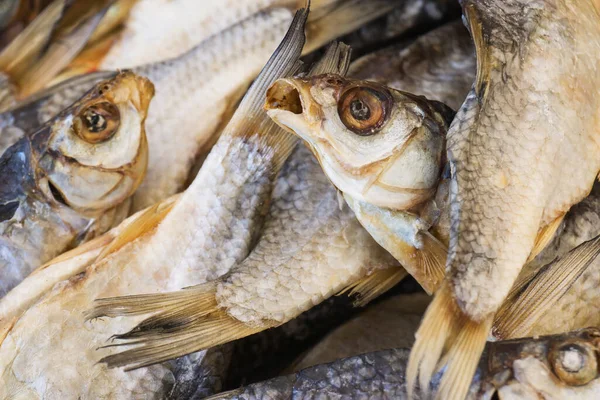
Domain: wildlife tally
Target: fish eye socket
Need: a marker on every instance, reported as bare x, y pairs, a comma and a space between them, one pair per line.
98, 123
364, 110
574, 363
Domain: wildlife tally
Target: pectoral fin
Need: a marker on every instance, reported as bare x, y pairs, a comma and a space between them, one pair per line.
520, 313
402, 235
374, 285
141, 225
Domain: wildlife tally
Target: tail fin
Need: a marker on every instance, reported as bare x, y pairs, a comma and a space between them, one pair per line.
519, 313
444, 328
63, 49
15, 58
185, 321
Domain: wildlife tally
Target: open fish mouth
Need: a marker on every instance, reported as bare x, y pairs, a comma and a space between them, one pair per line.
287, 103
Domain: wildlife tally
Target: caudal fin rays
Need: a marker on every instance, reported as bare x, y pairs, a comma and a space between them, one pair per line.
184, 321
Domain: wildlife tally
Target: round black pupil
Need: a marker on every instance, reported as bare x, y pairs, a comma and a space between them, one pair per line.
95, 122
359, 110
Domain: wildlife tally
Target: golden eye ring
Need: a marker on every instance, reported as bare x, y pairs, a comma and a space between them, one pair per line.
98, 122
574, 363
364, 109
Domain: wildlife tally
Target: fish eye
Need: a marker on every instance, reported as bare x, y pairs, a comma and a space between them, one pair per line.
574, 363
98, 123
364, 109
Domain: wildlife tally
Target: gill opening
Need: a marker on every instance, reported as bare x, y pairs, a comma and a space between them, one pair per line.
56, 194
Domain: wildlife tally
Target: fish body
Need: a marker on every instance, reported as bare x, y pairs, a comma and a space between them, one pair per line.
549, 367
289, 271
198, 237
522, 149
66, 181
534, 178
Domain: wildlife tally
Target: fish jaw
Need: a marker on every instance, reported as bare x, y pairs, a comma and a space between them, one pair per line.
396, 165
513, 145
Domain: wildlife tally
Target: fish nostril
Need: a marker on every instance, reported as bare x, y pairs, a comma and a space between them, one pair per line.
284, 96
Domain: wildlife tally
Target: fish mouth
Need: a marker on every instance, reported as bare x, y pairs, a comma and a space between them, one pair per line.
286, 104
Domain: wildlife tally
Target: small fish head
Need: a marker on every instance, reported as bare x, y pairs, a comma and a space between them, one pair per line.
376, 144
564, 366
94, 154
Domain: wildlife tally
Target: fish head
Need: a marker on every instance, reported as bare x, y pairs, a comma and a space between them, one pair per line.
561, 366
94, 154
376, 144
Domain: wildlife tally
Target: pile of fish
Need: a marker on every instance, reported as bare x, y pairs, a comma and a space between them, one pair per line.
277, 199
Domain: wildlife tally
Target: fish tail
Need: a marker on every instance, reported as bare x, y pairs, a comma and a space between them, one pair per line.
28, 45
332, 19
66, 44
446, 334
184, 321
462, 359
437, 328
374, 285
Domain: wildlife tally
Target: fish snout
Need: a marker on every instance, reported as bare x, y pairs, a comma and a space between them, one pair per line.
290, 105
129, 87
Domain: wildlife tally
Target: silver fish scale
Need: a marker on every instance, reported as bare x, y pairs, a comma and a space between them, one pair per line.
224, 208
